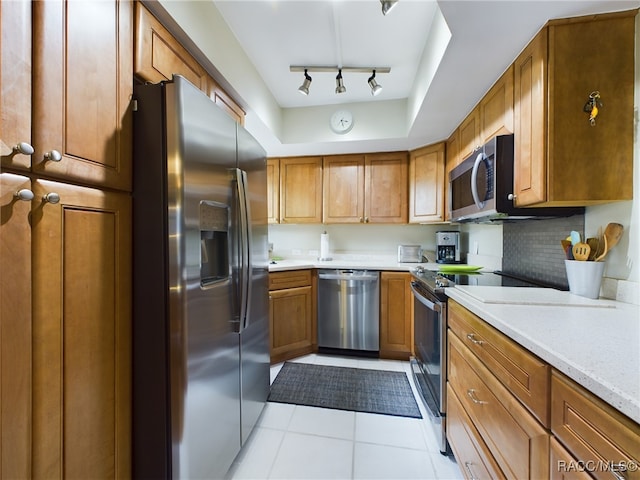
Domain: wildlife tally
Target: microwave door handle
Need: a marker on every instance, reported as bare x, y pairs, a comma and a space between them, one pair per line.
474, 180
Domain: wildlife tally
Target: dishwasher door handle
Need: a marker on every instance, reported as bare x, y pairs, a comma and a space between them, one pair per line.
354, 278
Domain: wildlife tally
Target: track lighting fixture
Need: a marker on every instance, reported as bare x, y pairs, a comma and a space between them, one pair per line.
375, 88
340, 88
387, 5
304, 88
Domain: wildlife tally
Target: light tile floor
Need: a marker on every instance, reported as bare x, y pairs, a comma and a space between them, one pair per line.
297, 442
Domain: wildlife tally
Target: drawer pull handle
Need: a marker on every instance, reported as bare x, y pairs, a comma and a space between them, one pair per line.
617, 470
472, 395
468, 467
473, 338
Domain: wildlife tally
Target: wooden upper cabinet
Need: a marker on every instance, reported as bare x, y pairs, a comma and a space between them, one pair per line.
225, 102
301, 190
529, 122
159, 55
560, 158
427, 184
385, 187
273, 190
343, 189
469, 135
82, 71
15, 82
496, 108
452, 160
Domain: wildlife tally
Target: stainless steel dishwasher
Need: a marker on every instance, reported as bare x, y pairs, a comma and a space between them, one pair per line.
349, 310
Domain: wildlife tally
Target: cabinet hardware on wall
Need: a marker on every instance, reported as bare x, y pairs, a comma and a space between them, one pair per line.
23, 148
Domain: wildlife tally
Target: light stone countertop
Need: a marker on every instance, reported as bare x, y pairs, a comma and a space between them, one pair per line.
597, 347
361, 262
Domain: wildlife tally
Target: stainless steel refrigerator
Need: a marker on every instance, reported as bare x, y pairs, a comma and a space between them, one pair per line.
201, 330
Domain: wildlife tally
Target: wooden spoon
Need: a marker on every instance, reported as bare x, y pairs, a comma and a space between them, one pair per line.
612, 235
594, 245
581, 251
566, 248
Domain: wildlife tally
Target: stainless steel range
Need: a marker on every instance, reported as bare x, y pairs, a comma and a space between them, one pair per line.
429, 365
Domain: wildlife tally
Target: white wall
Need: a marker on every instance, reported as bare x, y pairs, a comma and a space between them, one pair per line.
352, 239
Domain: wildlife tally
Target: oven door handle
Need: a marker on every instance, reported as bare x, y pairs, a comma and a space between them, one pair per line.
427, 303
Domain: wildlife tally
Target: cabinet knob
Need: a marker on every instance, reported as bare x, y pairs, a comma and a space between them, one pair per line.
511, 196
360, 219
53, 155
23, 148
25, 195
51, 197
366, 219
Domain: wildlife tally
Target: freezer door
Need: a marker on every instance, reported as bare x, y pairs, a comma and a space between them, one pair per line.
203, 268
255, 332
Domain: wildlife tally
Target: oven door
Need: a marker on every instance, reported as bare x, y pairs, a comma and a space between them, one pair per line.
429, 364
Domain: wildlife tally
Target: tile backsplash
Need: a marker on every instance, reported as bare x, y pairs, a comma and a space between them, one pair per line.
531, 248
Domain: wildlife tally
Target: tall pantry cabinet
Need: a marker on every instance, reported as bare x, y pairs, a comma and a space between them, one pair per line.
65, 241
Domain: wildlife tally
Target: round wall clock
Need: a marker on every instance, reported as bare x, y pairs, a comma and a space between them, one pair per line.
341, 121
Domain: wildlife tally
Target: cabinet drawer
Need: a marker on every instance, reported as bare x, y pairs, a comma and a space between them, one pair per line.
594, 432
471, 453
526, 376
517, 442
289, 279
563, 465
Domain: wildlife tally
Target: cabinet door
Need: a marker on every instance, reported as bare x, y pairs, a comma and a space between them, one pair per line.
530, 106
301, 190
290, 316
563, 465
396, 315
496, 108
385, 188
15, 328
81, 333
519, 444
159, 55
15, 81
426, 184
452, 156
273, 190
593, 431
225, 102
343, 189
83, 65
469, 134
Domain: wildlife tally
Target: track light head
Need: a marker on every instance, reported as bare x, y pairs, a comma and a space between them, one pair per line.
304, 88
340, 88
387, 5
375, 88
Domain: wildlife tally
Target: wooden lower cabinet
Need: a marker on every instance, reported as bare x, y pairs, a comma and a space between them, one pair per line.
81, 399
563, 465
15, 329
292, 307
474, 459
593, 432
396, 315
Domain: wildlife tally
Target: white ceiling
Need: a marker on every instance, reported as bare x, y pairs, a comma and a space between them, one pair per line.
435, 79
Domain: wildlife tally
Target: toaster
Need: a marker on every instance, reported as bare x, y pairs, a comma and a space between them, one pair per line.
409, 254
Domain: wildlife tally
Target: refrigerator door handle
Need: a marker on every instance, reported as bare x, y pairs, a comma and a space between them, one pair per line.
245, 248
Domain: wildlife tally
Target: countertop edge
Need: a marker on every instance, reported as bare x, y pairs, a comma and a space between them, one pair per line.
617, 397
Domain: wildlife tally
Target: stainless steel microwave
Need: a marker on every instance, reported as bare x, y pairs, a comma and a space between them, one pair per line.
481, 187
